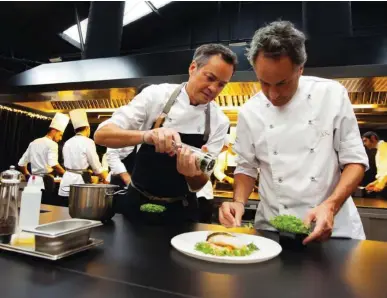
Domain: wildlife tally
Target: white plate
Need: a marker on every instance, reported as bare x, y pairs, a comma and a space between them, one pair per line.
268, 249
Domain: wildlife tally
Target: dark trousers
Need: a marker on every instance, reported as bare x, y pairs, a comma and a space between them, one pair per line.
206, 208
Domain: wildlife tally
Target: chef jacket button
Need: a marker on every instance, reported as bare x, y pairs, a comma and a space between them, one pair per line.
311, 150
268, 105
312, 179
271, 126
169, 119
275, 152
285, 207
310, 122
280, 180
309, 97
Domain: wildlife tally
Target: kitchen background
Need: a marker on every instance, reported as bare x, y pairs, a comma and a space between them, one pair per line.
49, 66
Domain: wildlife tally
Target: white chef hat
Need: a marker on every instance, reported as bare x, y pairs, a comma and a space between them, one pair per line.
60, 121
79, 118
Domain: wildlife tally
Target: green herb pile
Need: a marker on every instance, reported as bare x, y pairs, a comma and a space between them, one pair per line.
289, 223
152, 208
208, 249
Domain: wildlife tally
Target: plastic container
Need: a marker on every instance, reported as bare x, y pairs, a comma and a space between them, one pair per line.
30, 205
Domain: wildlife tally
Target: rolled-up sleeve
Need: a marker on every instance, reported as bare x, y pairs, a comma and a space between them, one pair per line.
25, 159
92, 158
247, 162
52, 157
347, 140
114, 157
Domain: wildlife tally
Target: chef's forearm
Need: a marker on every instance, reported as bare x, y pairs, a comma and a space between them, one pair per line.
243, 186
125, 177
113, 136
349, 180
24, 170
58, 169
196, 183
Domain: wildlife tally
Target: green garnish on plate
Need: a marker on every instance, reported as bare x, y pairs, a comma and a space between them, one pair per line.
152, 208
290, 223
208, 249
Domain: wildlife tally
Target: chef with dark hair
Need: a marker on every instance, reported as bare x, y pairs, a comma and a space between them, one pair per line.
42, 153
163, 118
302, 133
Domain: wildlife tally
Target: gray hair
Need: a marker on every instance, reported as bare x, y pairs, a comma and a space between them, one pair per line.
205, 52
278, 39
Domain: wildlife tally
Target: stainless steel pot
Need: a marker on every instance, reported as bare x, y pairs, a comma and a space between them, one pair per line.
92, 201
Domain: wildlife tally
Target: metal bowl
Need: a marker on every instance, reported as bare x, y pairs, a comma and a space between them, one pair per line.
92, 201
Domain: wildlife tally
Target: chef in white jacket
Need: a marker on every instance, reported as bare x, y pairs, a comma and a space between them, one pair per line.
79, 153
42, 153
301, 132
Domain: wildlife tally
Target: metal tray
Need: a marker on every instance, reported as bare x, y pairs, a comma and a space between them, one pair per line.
63, 227
44, 255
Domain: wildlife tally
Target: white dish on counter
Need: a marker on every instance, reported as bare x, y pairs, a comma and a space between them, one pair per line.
268, 249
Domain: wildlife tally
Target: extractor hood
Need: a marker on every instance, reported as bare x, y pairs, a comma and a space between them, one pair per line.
102, 85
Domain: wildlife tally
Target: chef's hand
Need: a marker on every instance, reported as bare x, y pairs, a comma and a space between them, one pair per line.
376, 186
162, 139
186, 162
230, 214
323, 216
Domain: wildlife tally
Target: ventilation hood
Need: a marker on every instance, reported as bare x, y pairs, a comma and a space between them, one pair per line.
102, 85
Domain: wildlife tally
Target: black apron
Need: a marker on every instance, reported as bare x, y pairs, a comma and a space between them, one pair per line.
156, 174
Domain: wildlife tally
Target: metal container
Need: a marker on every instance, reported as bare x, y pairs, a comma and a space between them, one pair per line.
9, 194
62, 236
92, 201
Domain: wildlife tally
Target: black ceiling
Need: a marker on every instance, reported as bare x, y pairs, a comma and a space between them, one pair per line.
29, 30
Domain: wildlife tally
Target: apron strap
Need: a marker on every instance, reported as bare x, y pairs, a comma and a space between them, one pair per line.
160, 120
207, 128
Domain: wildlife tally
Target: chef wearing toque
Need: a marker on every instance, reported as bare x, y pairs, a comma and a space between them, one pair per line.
79, 153
42, 153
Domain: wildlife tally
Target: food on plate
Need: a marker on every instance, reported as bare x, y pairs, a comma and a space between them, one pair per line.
249, 226
152, 208
225, 244
290, 223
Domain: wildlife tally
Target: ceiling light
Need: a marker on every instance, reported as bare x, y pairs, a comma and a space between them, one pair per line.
134, 10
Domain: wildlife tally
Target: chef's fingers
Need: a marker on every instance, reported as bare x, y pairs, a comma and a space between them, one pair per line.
229, 219
238, 216
176, 137
169, 141
162, 140
310, 217
155, 139
180, 157
317, 232
205, 149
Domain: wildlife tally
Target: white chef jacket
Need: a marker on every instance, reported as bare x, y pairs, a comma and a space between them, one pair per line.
300, 148
114, 157
147, 106
42, 153
79, 153
206, 192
